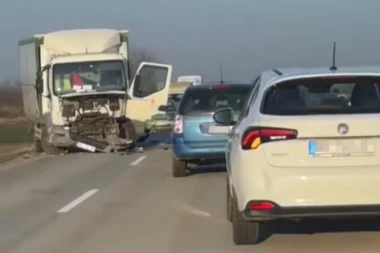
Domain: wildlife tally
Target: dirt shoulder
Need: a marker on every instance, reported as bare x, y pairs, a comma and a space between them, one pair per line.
15, 140
10, 152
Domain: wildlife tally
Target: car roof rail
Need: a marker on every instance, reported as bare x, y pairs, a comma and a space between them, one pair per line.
278, 72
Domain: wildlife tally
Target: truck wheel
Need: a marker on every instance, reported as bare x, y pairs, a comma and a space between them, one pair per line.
229, 201
246, 232
37, 145
130, 132
47, 147
179, 168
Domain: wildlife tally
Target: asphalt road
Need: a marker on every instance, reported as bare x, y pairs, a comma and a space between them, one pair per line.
113, 203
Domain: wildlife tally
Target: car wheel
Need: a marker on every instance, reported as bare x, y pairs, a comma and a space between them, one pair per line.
179, 168
229, 201
246, 232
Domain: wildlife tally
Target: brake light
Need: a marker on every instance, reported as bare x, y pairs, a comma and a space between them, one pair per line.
221, 86
254, 136
264, 206
178, 124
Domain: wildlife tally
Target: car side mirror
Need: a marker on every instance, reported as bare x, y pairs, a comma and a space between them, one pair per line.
163, 108
224, 116
166, 108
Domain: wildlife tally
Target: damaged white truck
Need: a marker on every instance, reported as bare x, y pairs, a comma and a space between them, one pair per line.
78, 90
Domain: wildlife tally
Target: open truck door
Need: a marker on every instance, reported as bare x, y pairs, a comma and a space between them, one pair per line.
149, 89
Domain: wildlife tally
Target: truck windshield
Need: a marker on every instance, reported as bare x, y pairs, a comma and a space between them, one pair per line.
89, 76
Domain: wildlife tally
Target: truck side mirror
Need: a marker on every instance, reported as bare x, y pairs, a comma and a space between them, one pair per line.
46, 67
39, 81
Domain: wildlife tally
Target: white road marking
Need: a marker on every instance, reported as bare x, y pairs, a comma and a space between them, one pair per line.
200, 212
195, 211
137, 161
77, 201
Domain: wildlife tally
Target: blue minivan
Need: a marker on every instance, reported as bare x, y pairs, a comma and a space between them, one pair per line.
196, 138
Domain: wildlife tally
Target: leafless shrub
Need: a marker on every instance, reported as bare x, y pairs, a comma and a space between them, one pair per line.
10, 101
138, 55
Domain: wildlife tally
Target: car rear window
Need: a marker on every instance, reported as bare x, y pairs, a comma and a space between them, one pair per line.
209, 100
323, 95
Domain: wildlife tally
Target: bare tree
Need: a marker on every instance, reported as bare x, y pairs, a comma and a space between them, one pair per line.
138, 55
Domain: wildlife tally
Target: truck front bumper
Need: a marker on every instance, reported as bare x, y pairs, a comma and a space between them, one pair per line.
61, 137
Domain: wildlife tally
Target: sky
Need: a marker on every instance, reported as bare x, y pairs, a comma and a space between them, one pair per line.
247, 36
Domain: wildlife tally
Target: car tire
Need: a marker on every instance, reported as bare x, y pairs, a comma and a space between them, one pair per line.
179, 168
228, 201
246, 232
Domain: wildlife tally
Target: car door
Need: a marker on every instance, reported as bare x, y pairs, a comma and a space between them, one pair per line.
148, 90
235, 133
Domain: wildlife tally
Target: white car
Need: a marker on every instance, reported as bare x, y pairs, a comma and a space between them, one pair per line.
306, 145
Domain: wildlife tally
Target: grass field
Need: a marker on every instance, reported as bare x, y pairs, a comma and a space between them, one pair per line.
14, 134
15, 141
14, 137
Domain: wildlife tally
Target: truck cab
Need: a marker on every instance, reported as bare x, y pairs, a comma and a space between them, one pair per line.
78, 89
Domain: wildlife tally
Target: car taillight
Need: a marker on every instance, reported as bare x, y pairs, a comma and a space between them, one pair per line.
178, 125
221, 86
261, 206
255, 136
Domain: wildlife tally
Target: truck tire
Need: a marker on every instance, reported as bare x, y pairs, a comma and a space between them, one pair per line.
47, 147
179, 168
246, 232
37, 145
130, 132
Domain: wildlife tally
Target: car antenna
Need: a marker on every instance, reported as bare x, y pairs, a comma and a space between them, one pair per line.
221, 73
334, 67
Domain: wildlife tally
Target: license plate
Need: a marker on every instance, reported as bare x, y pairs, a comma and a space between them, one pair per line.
219, 129
342, 147
86, 146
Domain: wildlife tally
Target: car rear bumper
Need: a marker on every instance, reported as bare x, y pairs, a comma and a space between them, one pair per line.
303, 187
183, 152
309, 212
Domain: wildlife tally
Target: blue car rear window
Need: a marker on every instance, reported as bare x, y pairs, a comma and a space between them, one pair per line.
202, 100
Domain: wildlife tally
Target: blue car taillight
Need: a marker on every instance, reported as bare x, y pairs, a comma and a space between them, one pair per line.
178, 125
